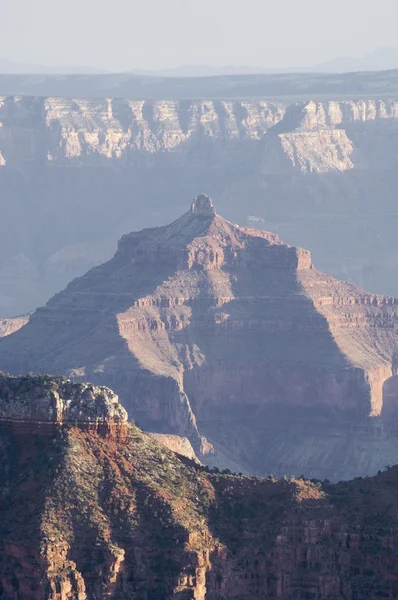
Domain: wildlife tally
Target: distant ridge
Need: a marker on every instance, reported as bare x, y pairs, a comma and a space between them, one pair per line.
298, 86
380, 59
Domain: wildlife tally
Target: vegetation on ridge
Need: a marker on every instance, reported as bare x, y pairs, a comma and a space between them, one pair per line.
132, 520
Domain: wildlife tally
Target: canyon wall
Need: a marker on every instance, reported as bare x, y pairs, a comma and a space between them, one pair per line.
77, 173
230, 338
311, 135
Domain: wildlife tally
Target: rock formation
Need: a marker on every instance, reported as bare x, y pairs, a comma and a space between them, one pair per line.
46, 404
8, 326
76, 173
230, 338
84, 516
176, 443
309, 136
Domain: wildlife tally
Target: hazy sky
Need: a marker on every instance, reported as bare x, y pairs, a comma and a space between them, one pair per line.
127, 34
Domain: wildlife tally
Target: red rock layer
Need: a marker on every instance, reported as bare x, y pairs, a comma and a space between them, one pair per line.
85, 518
24, 430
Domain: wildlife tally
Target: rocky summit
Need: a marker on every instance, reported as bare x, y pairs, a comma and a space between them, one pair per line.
86, 516
228, 337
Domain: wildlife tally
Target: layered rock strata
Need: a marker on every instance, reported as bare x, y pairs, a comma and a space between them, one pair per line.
76, 173
84, 517
42, 403
312, 136
228, 337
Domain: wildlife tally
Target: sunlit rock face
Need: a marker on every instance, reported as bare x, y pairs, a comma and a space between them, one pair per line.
228, 337
43, 404
8, 326
44, 399
77, 173
312, 136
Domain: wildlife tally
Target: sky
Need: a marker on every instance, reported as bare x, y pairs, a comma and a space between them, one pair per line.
121, 35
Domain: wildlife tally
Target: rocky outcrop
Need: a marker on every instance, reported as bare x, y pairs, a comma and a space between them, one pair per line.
8, 326
32, 403
228, 337
88, 518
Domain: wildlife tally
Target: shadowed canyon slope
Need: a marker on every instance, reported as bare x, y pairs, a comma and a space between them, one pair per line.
230, 338
77, 173
103, 511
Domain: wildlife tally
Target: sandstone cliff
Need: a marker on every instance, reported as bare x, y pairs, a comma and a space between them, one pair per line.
77, 173
86, 517
48, 400
228, 337
311, 136
44, 405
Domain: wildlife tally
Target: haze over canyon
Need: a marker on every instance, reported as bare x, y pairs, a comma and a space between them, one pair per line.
198, 322
77, 174
198, 300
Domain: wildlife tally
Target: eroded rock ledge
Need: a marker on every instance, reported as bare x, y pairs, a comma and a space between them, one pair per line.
46, 403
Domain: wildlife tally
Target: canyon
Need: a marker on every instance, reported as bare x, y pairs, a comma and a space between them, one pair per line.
227, 337
91, 508
229, 373
78, 172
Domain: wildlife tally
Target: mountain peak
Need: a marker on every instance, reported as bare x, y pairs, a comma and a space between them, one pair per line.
225, 336
202, 205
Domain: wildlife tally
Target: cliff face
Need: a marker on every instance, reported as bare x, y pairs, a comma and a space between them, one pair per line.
228, 337
76, 173
311, 136
86, 517
45, 404
48, 400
